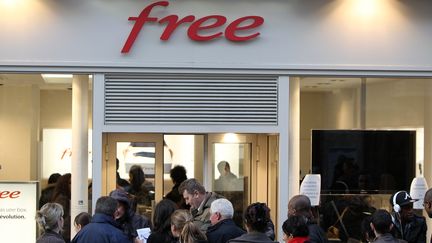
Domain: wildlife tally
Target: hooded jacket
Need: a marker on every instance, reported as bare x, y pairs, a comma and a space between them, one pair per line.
131, 221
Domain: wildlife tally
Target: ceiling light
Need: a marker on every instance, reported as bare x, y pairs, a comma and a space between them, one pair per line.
57, 78
53, 78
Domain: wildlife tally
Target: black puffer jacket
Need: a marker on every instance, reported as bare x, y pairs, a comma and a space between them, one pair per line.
412, 232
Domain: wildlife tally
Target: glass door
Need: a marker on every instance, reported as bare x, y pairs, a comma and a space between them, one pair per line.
127, 155
229, 169
244, 169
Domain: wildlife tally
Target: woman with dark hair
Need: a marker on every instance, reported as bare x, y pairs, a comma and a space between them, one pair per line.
178, 175
162, 222
47, 193
126, 216
256, 217
142, 190
62, 196
81, 220
295, 229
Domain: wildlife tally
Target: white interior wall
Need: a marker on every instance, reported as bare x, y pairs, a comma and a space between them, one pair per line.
16, 122
396, 103
24, 109
56, 109
312, 116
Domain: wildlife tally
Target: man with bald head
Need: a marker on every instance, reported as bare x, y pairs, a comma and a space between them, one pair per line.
300, 205
427, 203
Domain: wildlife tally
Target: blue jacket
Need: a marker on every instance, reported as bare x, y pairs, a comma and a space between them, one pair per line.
223, 231
102, 229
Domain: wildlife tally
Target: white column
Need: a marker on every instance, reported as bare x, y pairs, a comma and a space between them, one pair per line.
97, 143
294, 137
285, 182
79, 196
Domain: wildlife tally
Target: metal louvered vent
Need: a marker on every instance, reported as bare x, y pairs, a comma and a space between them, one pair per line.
181, 100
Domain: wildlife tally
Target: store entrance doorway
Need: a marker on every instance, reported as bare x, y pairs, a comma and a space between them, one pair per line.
242, 167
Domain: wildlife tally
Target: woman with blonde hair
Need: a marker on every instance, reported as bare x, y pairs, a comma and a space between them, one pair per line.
50, 221
182, 226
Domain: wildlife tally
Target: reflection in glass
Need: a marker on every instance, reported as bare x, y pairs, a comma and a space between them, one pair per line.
133, 155
229, 178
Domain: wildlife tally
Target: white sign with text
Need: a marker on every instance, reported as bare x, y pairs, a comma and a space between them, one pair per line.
311, 187
17, 211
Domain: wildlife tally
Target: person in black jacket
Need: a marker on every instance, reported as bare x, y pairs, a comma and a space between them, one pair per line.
47, 193
407, 225
256, 217
103, 228
301, 205
381, 224
223, 227
178, 175
162, 222
126, 215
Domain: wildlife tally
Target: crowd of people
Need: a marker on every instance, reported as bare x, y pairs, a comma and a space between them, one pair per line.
191, 214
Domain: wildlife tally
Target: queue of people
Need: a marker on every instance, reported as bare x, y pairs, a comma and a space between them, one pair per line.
210, 219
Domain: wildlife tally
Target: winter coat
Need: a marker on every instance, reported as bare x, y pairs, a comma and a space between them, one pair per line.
298, 239
175, 196
201, 215
50, 237
223, 231
46, 195
102, 229
253, 237
161, 237
316, 234
387, 238
131, 221
412, 232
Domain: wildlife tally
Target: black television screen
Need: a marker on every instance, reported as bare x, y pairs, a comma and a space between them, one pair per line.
363, 161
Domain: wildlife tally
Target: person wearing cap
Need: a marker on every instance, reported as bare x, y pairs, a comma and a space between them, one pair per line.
407, 225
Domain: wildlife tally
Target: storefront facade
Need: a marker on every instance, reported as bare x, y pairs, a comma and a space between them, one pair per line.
210, 46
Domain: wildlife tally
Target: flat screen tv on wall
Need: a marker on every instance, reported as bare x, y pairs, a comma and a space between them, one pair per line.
363, 161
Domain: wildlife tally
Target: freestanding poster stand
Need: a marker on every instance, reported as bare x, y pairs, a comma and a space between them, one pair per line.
18, 205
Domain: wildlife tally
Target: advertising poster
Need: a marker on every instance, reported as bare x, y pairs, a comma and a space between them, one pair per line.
17, 211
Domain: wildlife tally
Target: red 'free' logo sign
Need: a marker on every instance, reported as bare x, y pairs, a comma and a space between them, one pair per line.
232, 31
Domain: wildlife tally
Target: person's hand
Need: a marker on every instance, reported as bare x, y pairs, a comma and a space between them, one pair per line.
137, 240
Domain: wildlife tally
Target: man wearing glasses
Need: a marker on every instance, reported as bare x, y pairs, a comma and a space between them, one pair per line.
427, 202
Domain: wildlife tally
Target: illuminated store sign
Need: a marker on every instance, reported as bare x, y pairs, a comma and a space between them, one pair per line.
232, 31
18, 202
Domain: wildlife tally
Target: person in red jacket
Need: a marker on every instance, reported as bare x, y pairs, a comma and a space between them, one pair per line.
295, 229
